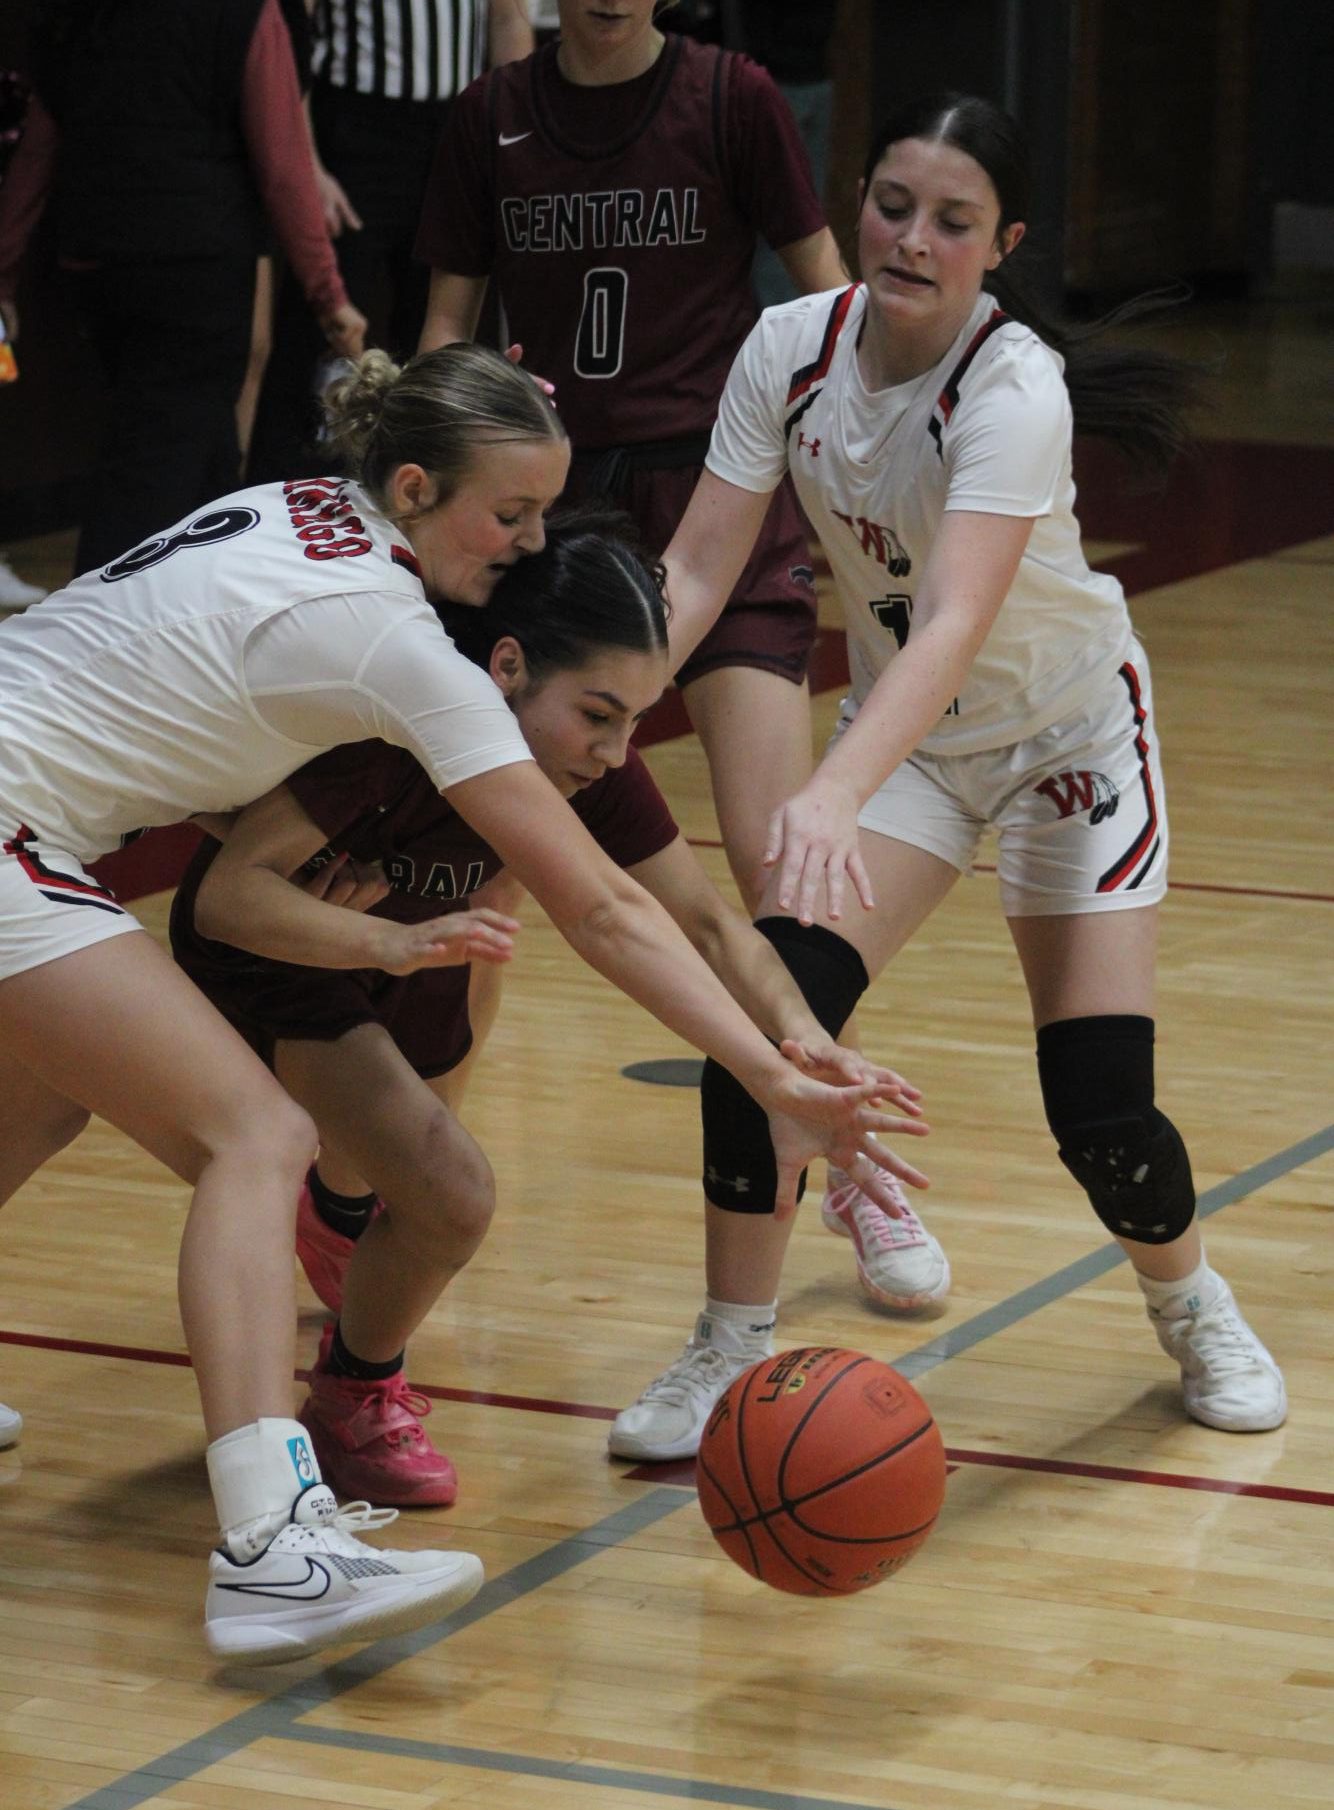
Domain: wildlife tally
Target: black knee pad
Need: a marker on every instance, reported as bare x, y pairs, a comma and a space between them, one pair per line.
1097, 1088
740, 1174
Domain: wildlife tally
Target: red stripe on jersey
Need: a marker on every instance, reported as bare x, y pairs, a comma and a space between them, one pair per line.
1145, 841
401, 557
949, 395
813, 373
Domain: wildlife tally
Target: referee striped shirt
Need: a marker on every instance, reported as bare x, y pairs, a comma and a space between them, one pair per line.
419, 50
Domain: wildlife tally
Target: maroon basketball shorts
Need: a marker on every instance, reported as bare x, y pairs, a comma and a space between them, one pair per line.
769, 621
426, 1014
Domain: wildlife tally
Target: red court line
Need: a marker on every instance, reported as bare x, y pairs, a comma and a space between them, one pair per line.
1245, 892
683, 1471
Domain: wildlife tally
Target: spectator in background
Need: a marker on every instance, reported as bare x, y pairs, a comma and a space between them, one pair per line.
376, 107
173, 120
791, 39
15, 592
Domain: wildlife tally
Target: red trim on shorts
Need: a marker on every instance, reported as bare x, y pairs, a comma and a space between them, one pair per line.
1135, 857
61, 889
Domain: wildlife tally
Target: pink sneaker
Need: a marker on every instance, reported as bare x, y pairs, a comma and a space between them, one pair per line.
899, 1263
324, 1253
370, 1442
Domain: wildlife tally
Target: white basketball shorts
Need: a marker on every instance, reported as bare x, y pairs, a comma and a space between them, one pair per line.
49, 906
1079, 808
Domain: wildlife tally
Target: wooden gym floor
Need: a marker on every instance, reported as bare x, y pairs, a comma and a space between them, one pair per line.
1119, 1610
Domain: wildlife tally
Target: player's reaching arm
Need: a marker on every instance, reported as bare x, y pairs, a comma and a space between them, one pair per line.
706, 557
246, 898
618, 929
749, 966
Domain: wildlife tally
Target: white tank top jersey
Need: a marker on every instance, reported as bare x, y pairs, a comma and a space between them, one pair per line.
204, 666
988, 429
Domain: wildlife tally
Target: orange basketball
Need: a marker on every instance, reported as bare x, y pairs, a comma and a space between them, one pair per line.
821, 1471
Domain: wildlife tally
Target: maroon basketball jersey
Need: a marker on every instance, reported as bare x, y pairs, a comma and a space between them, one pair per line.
620, 225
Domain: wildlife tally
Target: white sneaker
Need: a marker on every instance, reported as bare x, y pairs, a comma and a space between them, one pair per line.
314, 1586
11, 1425
1228, 1378
669, 1419
15, 592
899, 1263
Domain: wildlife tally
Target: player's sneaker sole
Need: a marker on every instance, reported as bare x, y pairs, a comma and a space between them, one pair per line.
266, 1638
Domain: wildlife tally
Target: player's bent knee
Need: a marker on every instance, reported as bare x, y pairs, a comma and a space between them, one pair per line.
1097, 1088
740, 1174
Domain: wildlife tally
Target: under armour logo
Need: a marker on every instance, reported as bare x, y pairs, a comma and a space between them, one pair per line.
813, 445
739, 1184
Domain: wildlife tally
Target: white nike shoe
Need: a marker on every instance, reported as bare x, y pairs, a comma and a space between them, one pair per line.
669, 1419
1228, 1378
314, 1585
11, 1425
899, 1263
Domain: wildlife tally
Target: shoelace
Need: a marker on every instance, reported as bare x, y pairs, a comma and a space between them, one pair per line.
875, 1226
696, 1372
393, 1404
1228, 1341
352, 1518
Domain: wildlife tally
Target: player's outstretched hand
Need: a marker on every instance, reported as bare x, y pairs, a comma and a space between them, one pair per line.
839, 1123
813, 841
448, 942
824, 1060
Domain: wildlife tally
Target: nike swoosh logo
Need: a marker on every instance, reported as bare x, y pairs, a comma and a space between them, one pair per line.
514, 138
307, 1589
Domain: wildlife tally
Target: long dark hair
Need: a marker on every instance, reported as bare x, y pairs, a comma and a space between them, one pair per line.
590, 588
1137, 398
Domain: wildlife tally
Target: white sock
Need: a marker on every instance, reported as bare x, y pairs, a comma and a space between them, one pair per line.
1176, 1300
732, 1326
256, 1474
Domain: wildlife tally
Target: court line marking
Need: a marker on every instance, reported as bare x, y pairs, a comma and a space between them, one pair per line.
1093, 1264
652, 1784
273, 1718
276, 1717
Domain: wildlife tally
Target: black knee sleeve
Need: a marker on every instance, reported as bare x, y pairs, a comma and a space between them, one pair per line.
1097, 1088
739, 1170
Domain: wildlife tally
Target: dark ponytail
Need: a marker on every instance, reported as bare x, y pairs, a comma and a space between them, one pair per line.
1137, 398
589, 589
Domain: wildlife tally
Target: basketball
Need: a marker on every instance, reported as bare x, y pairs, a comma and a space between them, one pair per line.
821, 1471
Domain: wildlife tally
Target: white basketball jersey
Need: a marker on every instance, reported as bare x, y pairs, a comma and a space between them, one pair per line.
204, 666
987, 429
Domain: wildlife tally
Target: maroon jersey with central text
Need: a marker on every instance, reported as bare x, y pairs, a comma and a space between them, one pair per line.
620, 223
376, 804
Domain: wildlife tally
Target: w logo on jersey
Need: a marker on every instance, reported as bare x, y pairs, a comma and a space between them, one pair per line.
1072, 792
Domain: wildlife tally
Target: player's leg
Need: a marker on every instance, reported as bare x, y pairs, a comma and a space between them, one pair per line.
1081, 878
755, 728
1091, 983
745, 1245
177, 1079
35, 1123
380, 1121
